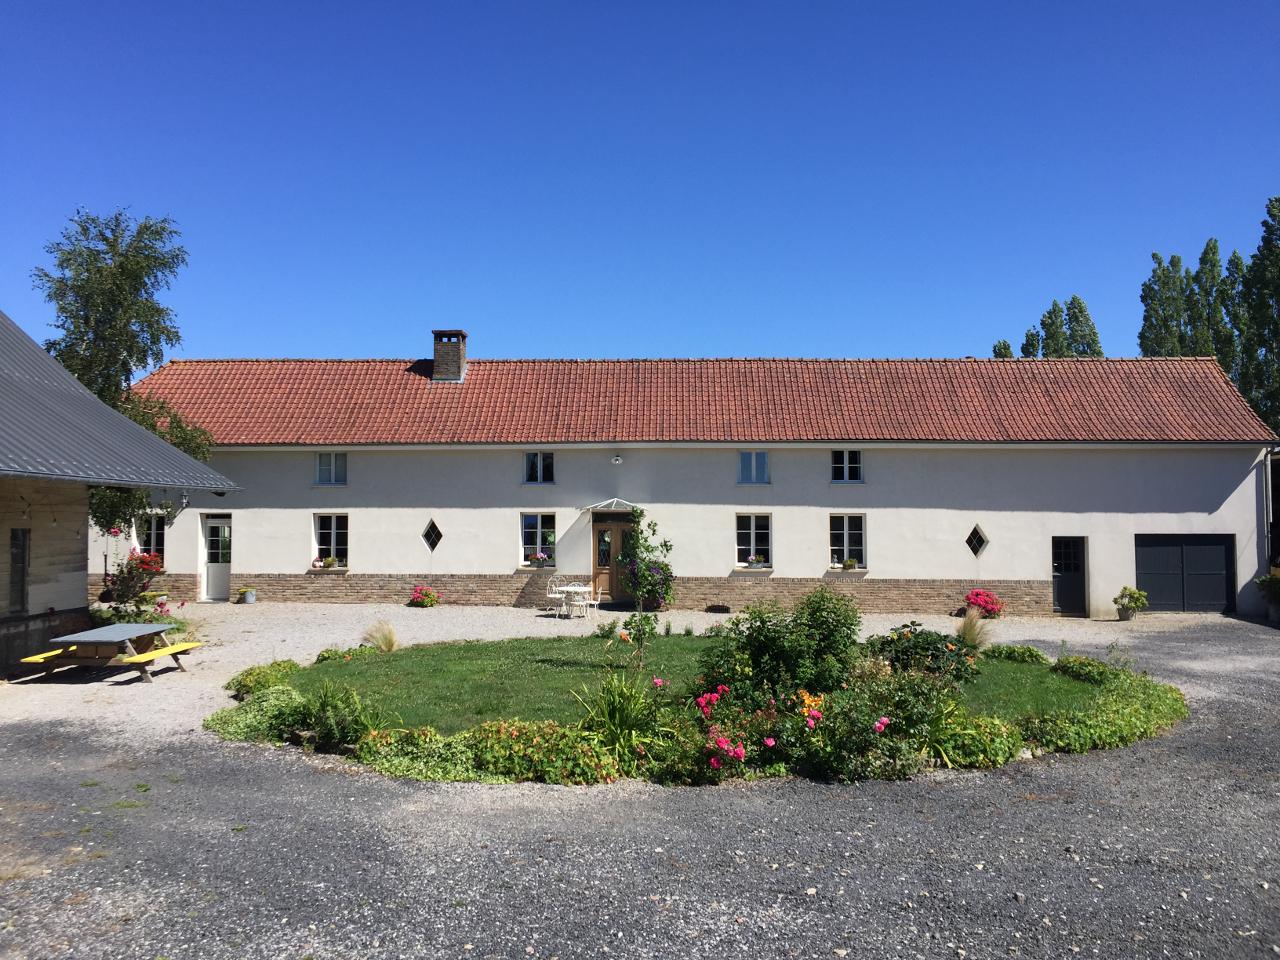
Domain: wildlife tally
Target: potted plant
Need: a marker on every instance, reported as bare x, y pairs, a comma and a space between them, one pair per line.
850, 564
248, 594
329, 562
538, 559
755, 562
1129, 601
1270, 587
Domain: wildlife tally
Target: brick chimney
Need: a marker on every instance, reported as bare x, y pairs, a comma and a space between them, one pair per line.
450, 356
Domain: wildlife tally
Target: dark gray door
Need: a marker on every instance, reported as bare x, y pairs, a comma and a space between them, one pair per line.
1068, 576
1193, 572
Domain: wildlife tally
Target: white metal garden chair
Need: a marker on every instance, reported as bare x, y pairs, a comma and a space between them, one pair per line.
555, 594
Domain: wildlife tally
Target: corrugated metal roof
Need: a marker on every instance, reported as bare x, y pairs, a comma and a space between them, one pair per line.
321, 402
51, 426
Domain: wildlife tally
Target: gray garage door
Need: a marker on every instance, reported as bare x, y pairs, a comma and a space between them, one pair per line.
1187, 571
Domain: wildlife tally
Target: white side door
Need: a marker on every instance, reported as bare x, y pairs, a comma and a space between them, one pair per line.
217, 559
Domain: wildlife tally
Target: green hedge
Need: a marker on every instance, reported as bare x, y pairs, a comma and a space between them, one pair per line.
1015, 653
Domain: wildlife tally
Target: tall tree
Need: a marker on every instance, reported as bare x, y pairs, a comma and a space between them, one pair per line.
1082, 335
1205, 325
1031, 344
1053, 326
107, 273
1002, 350
1260, 296
1164, 309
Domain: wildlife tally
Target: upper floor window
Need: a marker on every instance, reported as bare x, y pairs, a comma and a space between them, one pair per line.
846, 466
151, 535
539, 468
331, 537
331, 469
753, 466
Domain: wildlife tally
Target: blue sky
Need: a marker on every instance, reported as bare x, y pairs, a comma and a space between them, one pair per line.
662, 179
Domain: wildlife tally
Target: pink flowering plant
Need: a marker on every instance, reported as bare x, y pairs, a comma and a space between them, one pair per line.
424, 597
985, 602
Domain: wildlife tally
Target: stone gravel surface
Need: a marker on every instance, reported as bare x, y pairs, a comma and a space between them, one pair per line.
127, 832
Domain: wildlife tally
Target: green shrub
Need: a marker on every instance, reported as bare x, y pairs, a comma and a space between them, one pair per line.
544, 751
912, 647
1018, 654
978, 742
270, 714
337, 717
1131, 707
253, 679
1086, 670
606, 630
330, 654
417, 754
774, 651
849, 739
623, 715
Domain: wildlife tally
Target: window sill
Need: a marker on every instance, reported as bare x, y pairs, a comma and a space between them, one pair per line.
327, 571
846, 483
535, 566
754, 483
751, 571
836, 573
328, 486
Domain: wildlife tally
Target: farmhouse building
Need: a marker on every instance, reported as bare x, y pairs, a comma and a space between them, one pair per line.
56, 441
903, 483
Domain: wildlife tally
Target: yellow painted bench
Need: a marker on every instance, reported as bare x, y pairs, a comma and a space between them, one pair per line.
48, 655
155, 653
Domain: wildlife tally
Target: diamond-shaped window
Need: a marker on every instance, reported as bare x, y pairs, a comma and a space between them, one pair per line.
976, 541
432, 535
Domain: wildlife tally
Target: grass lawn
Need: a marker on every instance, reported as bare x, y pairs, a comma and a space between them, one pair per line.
1012, 690
452, 686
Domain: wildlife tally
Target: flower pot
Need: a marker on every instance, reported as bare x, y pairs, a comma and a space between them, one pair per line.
249, 596
1125, 613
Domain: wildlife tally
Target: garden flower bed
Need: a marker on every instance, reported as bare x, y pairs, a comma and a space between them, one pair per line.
772, 692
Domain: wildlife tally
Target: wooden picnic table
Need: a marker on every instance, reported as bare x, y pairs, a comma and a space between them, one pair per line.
115, 645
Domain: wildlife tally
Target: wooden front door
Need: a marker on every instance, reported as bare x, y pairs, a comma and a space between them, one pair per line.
606, 543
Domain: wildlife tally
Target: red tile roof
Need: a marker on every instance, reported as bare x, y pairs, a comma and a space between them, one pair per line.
351, 402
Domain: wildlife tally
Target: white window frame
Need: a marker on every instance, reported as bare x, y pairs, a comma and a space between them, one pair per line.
754, 534
845, 547
541, 458
539, 528
751, 464
146, 539
333, 459
332, 536
844, 466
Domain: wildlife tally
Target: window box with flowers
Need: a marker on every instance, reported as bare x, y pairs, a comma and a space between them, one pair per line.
328, 565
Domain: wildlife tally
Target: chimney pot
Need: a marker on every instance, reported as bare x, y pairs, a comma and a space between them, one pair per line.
450, 355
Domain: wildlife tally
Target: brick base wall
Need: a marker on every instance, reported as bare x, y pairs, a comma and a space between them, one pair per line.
529, 589
179, 586
24, 636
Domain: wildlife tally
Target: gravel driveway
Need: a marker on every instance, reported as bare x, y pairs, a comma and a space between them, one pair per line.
127, 832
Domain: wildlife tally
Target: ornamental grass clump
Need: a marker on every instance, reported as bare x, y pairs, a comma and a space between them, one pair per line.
381, 636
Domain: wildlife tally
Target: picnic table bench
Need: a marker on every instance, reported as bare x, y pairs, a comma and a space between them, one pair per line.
115, 645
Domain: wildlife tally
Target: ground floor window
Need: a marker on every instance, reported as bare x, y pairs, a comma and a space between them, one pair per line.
848, 540
151, 535
538, 537
331, 537
755, 542
19, 568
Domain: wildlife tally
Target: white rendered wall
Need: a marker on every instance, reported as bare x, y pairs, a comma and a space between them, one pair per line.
920, 503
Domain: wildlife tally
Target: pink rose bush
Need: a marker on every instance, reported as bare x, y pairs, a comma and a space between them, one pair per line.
985, 602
